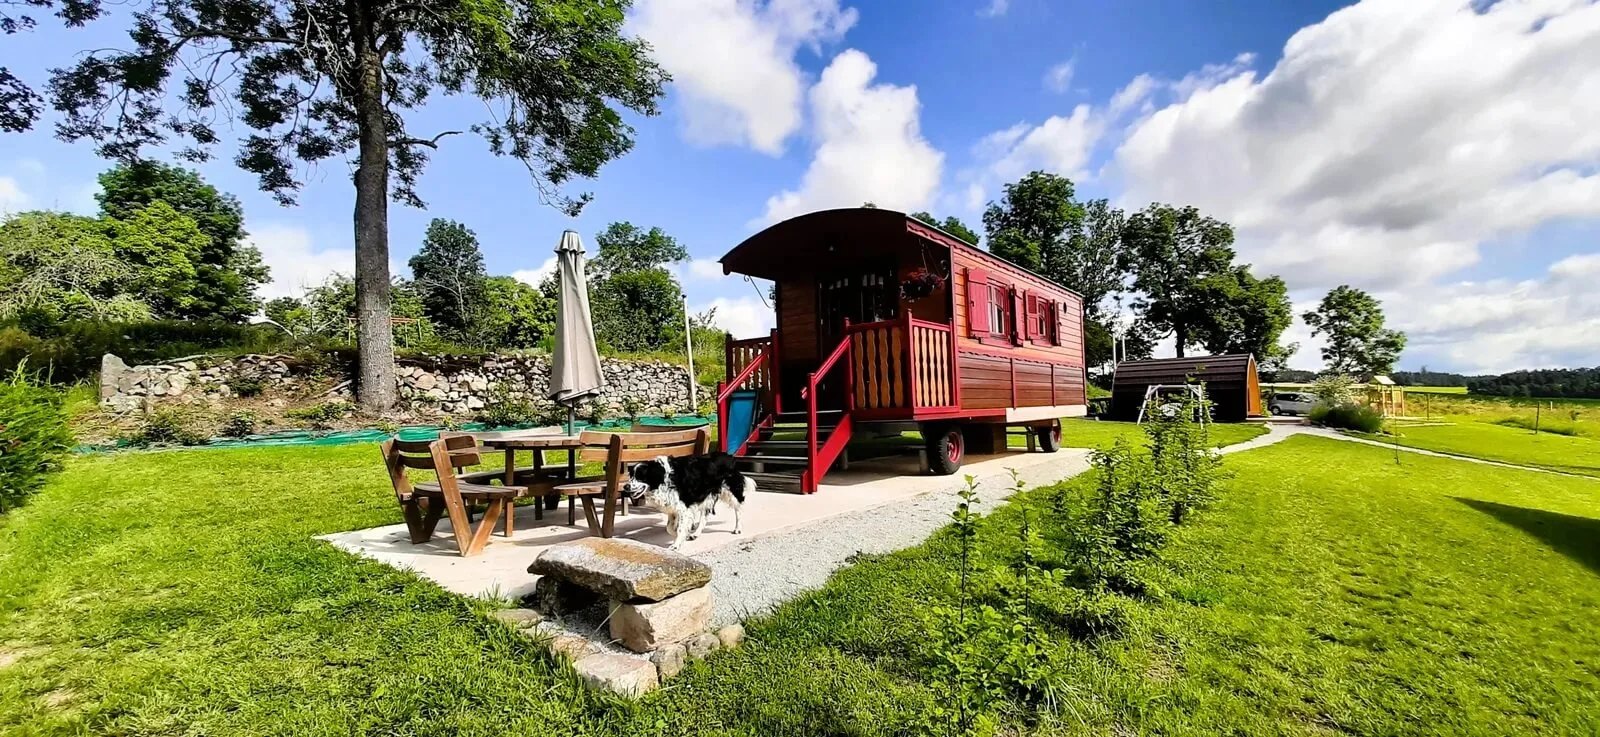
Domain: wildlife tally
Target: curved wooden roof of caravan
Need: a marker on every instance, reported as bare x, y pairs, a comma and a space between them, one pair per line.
809, 239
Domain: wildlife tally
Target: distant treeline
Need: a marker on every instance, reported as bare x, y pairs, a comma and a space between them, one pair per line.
1556, 383
1432, 378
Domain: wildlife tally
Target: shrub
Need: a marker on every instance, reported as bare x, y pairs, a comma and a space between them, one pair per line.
1347, 416
321, 416
595, 412
1334, 389
240, 424
631, 407
34, 435
170, 426
502, 409
1185, 469
1124, 524
246, 386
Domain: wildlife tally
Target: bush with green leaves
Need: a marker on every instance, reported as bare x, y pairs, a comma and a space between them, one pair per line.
1347, 416
595, 412
240, 424
631, 407
1184, 466
504, 409
1124, 524
989, 646
321, 416
34, 435
247, 385
1334, 388
171, 425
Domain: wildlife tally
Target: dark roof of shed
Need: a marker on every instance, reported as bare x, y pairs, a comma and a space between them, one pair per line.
1233, 367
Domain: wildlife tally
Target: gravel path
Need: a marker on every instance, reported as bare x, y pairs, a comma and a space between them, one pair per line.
755, 575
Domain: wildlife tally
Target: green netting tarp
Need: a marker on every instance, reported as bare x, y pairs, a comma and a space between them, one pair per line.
373, 435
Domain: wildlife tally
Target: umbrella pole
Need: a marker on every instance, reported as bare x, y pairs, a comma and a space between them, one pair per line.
572, 419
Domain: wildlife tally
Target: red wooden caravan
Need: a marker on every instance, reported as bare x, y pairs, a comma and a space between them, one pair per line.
884, 324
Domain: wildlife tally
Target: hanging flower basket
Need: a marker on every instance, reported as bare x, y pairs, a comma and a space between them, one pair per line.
919, 284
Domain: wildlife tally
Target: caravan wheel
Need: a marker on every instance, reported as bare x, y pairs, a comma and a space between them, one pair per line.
1049, 436
946, 447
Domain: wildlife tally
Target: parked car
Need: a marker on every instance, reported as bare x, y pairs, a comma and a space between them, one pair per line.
1291, 403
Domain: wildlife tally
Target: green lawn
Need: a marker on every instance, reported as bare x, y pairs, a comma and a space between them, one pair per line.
1082, 433
1572, 454
1328, 591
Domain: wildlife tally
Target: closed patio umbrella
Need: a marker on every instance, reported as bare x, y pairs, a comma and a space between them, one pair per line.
575, 367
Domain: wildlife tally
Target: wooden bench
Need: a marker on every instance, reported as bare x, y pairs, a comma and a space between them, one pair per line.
423, 504
616, 451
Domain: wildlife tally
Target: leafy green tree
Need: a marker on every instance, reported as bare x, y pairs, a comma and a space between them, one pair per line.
515, 315
1170, 253
449, 275
228, 270
951, 225
19, 104
56, 267
638, 310
161, 247
1356, 341
328, 80
1030, 224
1243, 314
1088, 264
625, 248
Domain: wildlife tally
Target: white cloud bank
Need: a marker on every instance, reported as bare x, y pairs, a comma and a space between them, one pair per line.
732, 61
296, 264
869, 145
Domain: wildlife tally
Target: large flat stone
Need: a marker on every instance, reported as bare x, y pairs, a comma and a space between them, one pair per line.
622, 570
623, 674
642, 627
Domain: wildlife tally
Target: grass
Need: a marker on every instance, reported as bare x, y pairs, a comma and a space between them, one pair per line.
1082, 433
1495, 442
1329, 590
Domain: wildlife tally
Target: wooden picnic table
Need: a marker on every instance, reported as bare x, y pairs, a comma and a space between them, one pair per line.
512, 441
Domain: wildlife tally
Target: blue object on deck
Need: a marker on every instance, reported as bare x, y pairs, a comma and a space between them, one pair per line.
741, 418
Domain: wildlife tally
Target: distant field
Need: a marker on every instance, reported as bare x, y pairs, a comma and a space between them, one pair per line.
1575, 417
1571, 454
1436, 389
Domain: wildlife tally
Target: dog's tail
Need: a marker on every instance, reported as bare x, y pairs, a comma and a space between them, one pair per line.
749, 488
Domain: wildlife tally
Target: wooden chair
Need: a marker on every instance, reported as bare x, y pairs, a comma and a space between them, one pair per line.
616, 451
535, 480
423, 504
643, 427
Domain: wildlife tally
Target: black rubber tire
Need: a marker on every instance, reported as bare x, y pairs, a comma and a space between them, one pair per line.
1049, 436
1274, 410
946, 446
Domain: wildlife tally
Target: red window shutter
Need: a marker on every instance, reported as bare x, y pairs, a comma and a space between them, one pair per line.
1030, 305
1018, 315
977, 302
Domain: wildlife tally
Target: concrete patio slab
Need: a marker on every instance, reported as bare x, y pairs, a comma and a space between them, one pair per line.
502, 568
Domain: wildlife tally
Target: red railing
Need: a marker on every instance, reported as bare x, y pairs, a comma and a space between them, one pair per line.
819, 459
902, 365
755, 370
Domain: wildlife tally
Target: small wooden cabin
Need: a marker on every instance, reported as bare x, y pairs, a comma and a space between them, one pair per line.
1230, 381
886, 323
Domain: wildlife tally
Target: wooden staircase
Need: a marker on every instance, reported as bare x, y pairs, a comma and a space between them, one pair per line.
779, 456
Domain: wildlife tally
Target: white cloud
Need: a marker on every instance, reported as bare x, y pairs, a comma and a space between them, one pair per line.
1503, 325
1390, 142
733, 62
705, 268
296, 264
744, 317
994, 9
1059, 77
870, 145
12, 197
535, 276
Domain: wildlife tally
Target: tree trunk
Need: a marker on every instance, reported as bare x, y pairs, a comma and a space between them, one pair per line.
375, 382
1180, 337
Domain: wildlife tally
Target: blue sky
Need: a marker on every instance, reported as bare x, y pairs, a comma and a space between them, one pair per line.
1442, 157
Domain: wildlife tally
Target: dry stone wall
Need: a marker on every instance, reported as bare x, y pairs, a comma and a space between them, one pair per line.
457, 385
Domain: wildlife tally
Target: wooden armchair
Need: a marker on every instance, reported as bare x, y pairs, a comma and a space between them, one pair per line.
537, 480
423, 504
616, 451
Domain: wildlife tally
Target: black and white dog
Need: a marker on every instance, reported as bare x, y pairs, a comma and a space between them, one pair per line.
688, 489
